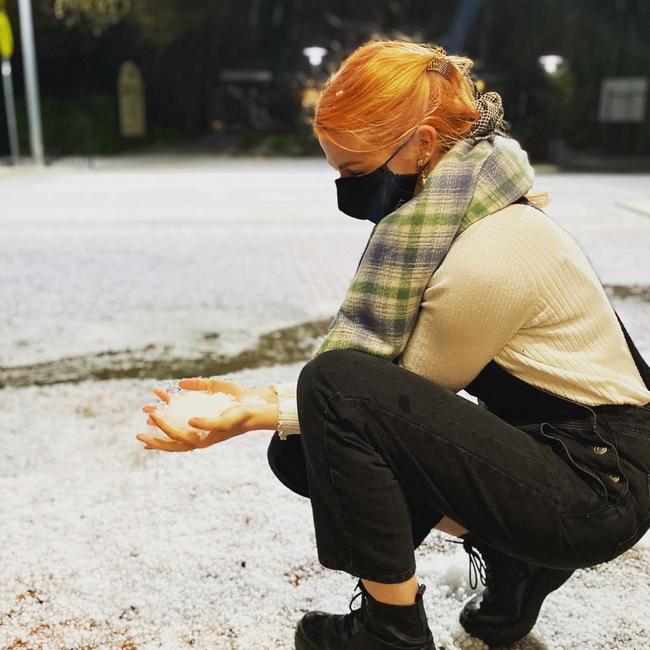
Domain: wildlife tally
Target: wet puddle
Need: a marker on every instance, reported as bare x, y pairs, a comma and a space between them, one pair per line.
285, 345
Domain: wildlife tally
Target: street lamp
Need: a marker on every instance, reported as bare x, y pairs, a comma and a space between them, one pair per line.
551, 62
315, 54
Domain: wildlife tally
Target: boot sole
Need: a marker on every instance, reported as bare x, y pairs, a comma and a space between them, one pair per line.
301, 643
546, 583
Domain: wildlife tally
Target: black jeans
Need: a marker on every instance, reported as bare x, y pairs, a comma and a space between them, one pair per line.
383, 453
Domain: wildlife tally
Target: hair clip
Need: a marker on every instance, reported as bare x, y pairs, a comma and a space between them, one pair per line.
439, 61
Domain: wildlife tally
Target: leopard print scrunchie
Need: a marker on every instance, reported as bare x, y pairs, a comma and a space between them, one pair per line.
490, 122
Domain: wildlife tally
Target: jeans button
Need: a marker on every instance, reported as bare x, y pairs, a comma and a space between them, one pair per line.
600, 450
615, 478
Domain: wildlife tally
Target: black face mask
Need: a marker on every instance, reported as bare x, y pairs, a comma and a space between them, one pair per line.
374, 195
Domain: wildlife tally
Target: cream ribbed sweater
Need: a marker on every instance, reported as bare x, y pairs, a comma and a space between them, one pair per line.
517, 288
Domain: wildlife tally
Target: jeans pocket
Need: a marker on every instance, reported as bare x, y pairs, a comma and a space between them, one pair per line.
594, 537
628, 542
642, 522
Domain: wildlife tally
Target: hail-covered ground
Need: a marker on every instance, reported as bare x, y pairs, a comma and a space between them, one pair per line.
137, 272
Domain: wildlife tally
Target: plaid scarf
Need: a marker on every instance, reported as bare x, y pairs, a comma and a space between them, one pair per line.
477, 176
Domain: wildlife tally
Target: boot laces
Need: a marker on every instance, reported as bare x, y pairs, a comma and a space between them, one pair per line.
359, 593
357, 613
477, 566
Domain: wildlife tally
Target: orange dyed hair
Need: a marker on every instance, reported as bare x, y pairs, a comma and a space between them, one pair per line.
383, 91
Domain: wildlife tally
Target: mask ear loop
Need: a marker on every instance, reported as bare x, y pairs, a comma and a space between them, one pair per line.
419, 171
399, 148
385, 163
424, 178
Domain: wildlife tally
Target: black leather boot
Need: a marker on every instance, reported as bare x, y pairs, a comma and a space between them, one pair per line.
507, 609
372, 626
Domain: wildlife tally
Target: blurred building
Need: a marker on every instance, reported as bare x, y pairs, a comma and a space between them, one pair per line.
235, 74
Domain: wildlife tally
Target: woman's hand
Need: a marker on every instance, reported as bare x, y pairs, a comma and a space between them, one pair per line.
234, 421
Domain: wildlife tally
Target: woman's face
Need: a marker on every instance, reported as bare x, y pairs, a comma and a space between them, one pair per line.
405, 161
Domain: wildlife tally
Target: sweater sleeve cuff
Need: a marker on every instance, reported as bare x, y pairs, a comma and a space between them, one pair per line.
288, 423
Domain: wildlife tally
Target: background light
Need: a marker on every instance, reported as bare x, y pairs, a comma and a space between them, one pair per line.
315, 54
551, 62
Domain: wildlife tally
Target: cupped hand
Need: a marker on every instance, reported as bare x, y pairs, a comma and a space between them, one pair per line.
233, 421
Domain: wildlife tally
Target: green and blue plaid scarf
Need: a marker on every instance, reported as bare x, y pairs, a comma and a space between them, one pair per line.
473, 179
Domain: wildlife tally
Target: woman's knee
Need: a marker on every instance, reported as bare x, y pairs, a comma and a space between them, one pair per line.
318, 372
320, 378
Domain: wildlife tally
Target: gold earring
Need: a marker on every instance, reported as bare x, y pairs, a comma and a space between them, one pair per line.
424, 164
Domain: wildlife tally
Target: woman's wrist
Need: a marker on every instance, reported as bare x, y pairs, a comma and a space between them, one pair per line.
266, 416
